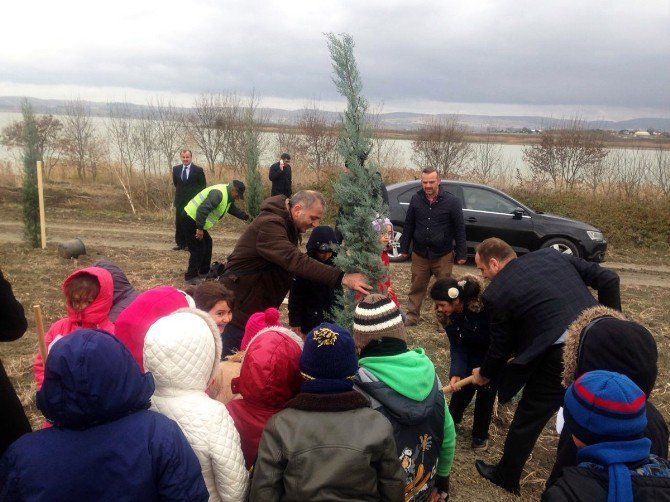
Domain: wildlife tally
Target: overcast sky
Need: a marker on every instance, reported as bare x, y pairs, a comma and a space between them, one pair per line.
600, 59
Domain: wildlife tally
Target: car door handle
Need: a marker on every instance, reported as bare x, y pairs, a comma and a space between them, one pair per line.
471, 219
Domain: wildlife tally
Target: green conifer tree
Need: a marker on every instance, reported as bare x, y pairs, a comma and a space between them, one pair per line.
31, 154
253, 195
357, 189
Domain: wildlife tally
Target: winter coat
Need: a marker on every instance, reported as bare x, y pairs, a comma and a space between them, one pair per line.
434, 229
13, 324
105, 445
630, 352
134, 322
405, 389
281, 180
269, 377
327, 447
182, 351
309, 301
95, 315
469, 337
265, 260
124, 293
650, 479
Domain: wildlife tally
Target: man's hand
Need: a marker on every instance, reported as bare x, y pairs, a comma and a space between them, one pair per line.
452, 383
461, 261
406, 255
199, 234
356, 281
479, 379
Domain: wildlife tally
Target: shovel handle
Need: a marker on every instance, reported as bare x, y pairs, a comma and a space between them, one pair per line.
459, 385
39, 322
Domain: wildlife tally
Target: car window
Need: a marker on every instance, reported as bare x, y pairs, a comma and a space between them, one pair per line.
485, 200
406, 196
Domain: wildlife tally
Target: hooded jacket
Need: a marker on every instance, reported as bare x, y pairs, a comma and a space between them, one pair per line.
603, 339
182, 350
95, 315
269, 377
309, 301
134, 322
105, 445
124, 293
405, 389
265, 259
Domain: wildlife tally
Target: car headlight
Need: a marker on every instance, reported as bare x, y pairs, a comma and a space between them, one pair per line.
595, 235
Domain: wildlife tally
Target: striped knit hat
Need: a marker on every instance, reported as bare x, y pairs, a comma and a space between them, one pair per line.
603, 406
377, 317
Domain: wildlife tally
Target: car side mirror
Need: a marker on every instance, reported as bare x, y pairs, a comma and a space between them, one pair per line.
518, 213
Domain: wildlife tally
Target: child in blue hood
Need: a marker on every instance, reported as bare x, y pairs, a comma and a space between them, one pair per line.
104, 444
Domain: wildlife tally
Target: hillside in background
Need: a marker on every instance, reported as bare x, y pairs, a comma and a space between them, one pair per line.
398, 121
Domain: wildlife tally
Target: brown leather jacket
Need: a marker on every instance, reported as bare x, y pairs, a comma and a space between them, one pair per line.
265, 259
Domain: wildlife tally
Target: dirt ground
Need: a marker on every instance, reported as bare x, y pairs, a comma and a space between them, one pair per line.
142, 247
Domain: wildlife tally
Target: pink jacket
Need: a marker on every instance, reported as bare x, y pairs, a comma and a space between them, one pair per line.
136, 319
96, 315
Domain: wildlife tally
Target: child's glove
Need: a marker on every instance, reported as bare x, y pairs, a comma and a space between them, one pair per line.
441, 491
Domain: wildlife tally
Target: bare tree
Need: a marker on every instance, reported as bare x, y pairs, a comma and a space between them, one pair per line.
565, 153
120, 129
288, 140
318, 138
660, 170
49, 130
170, 128
442, 144
486, 159
384, 152
629, 170
207, 126
80, 144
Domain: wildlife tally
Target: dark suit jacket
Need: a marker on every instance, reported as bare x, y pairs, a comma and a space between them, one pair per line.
195, 183
533, 300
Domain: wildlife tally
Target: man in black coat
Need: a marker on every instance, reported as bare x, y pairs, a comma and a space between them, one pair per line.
188, 180
280, 176
13, 324
532, 301
434, 224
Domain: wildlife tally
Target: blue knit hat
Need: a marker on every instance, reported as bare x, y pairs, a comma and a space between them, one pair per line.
603, 406
328, 361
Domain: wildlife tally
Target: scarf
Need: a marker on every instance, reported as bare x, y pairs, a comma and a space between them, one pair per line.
615, 456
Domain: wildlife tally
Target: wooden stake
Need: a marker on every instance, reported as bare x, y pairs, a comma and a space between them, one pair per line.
40, 332
459, 385
40, 195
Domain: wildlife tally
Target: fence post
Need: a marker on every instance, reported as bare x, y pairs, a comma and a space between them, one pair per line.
40, 195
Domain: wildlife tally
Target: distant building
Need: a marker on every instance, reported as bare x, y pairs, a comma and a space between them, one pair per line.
641, 133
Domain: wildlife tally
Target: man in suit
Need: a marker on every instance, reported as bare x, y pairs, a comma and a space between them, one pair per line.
532, 301
280, 176
188, 180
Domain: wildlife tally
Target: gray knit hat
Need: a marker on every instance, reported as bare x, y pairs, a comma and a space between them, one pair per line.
376, 317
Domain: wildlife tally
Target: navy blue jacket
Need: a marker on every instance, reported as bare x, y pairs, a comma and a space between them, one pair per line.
469, 339
433, 228
105, 444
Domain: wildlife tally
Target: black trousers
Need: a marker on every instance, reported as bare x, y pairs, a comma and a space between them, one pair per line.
13, 421
231, 339
483, 408
200, 251
541, 398
180, 223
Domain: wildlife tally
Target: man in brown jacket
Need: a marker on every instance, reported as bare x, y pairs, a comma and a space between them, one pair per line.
266, 257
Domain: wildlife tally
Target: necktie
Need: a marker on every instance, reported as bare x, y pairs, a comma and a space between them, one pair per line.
184, 175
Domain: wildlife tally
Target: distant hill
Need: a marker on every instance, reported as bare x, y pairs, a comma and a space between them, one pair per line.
401, 121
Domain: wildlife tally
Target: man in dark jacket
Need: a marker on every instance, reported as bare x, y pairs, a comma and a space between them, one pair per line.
202, 213
603, 339
188, 180
266, 257
434, 222
105, 443
280, 176
13, 324
532, 300
606, 415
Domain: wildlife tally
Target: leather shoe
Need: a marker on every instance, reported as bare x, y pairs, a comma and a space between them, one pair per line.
178, 248
490, 472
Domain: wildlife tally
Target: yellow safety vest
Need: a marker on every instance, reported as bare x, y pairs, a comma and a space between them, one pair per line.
217, 213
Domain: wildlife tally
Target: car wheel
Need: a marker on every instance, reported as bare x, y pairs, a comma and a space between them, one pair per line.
562, 246
394, 247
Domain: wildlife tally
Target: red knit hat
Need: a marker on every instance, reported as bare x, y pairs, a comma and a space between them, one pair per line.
258, 321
